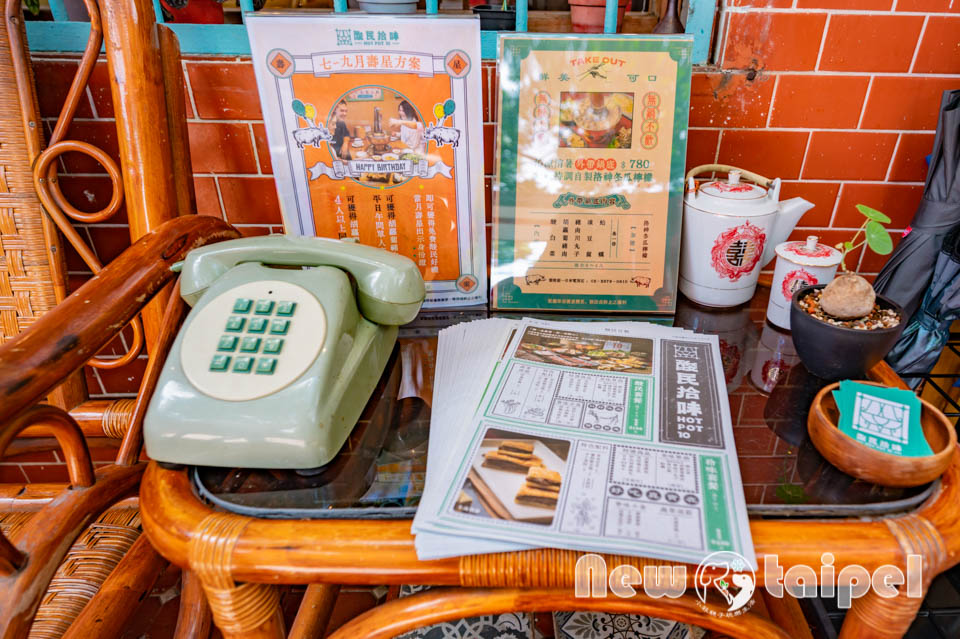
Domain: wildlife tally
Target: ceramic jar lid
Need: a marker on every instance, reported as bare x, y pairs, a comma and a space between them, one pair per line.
809, 252
733, 189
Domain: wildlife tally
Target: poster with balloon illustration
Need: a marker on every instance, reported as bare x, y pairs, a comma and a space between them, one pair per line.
374, 126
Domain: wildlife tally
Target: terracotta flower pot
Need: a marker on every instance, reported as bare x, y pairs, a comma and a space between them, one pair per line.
587, 15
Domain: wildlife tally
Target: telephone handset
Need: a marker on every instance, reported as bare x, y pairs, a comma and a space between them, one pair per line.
274, 365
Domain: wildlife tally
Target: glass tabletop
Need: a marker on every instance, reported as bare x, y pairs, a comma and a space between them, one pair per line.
380, 471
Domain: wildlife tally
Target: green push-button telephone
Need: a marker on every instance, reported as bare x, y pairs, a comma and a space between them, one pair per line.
274, 364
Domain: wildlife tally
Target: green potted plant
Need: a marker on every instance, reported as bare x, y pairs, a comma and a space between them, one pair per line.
497, 17
843, 328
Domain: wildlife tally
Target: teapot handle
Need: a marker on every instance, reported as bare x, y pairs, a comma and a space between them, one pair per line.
726, 168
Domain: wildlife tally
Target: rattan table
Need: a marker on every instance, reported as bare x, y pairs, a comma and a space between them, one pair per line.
295, 531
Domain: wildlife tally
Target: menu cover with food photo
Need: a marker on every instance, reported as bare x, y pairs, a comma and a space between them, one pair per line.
374, 126
590, 165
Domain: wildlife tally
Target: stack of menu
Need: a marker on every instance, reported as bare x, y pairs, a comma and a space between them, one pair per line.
598, 436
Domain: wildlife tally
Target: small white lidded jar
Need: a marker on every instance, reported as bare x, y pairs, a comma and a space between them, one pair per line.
799, 264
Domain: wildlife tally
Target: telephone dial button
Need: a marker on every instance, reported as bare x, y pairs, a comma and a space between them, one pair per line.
286, 308
250, 344
279, 326
235, 324
242, 305
227, 343
272, 345
264, 307
220, 363
257, 325
243, 365
266, 366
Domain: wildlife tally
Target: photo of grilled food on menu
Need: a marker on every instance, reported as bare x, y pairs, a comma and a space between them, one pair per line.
601, 352
515, 476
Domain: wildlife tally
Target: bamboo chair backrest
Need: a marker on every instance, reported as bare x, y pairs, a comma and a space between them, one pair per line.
32, 278
32, 267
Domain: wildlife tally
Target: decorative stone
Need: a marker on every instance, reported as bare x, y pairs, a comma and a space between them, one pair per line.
848, 296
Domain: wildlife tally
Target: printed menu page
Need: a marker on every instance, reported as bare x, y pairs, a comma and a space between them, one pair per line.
613, 438
374, 125
589, 186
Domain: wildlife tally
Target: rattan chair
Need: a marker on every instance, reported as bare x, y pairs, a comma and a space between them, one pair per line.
33, 281
72, 565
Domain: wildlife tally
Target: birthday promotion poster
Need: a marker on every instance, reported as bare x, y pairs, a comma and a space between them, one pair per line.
589, 190
374, 125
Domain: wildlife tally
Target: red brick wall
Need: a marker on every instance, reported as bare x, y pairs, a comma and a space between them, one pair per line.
837, 97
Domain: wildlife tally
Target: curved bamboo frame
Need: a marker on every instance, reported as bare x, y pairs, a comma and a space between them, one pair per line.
435, 606
35, 361
156, 165
45, 170
363, 552
32, 363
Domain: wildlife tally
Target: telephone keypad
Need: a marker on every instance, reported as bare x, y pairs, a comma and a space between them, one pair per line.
257, 325
272, 345
242, 305
220, 363
235, 348
251, 344
243, 365
266, 366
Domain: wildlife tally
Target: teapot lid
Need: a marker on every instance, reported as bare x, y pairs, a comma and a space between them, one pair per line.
733, 188
809, 252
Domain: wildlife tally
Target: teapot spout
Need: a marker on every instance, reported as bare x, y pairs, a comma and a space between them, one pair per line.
787, 217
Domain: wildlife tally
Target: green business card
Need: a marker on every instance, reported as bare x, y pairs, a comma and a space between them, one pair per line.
882, 418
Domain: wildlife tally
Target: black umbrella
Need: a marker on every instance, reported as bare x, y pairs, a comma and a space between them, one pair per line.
919, 346
907, 273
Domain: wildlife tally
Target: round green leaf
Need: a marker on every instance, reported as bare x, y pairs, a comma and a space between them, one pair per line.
878, 239
873, 214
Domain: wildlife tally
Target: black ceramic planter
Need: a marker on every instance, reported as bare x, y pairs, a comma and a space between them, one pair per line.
836, 352
494, 18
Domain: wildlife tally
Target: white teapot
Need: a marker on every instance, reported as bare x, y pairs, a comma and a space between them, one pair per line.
730, 231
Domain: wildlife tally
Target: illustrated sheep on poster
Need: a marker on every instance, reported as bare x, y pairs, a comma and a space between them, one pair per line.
443, 134
309, 135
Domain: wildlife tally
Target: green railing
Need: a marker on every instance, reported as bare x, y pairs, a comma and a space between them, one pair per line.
64, 35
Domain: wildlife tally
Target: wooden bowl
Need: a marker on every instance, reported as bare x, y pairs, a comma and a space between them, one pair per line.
871, 465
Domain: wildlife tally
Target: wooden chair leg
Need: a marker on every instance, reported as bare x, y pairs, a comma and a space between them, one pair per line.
876, 617
439, 605
241, 611
193, 618
247, 611
314, 613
